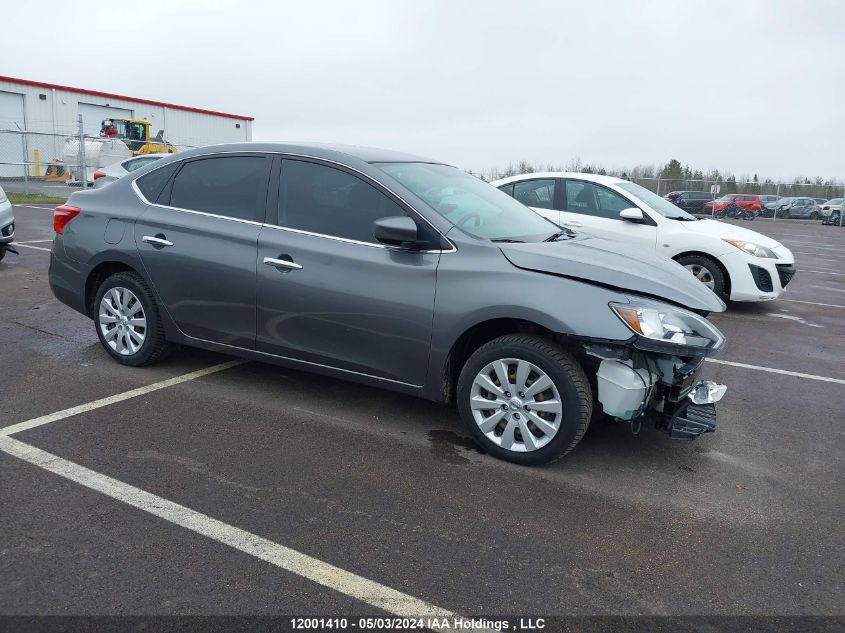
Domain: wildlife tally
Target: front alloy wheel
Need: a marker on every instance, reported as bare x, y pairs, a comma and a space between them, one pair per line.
516, 405
525, 399
702, 274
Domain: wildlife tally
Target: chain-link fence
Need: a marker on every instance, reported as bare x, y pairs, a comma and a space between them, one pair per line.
53, 164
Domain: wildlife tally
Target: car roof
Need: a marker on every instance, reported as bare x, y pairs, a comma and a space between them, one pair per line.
326, 151
602, 180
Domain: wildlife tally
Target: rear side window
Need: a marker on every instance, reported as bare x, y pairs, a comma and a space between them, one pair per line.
234, 186
152, 183
508, 189
536, 193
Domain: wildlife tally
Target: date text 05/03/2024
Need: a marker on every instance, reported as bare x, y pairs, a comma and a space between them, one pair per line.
409, 624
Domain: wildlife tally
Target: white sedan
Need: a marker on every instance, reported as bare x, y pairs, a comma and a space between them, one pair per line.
736, 263
105, 175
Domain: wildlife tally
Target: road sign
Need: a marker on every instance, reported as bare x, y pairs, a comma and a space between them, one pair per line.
714, 188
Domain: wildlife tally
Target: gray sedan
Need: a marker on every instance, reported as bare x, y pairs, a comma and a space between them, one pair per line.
393, 271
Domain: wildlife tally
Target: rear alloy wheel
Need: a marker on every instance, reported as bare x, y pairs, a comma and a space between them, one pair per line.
128, 322
706, 271
524, 399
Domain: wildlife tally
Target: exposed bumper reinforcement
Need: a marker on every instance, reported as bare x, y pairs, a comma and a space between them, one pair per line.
693, 420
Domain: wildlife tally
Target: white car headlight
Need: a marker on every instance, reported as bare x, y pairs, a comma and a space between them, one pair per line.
752, 249
664, 328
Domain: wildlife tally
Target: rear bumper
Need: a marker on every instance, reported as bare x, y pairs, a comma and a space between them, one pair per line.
67, 278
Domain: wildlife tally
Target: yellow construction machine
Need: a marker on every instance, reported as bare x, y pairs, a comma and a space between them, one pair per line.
136, 134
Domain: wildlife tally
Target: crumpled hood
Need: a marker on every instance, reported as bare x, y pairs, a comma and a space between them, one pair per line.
723, 230
615, 264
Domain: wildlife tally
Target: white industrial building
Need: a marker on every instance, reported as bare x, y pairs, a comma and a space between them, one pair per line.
41, 107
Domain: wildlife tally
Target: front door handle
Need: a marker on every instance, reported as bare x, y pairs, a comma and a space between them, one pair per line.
156, 240
282, 263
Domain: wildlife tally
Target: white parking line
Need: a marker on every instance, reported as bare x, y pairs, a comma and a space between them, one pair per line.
29, 206
823, 272
37, 248
33, 241
818, 255
322, 573
772, 370
813, 303
120, 397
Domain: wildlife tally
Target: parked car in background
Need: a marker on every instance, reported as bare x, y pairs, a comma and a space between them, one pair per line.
834, 219
768, 199
109, 174
793, 208
736, 263
830, 206
692, 201
7, 224
336, 260
820, 201
745, 202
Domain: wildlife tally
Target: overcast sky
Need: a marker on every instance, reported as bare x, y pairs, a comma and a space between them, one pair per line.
742, 86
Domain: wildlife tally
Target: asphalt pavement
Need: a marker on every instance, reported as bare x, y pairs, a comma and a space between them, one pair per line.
745, 521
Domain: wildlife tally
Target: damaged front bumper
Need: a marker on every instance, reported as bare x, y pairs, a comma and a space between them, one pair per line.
636, 386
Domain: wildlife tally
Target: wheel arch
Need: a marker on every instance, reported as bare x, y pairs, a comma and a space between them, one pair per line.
99, 273
484, 331
713, 258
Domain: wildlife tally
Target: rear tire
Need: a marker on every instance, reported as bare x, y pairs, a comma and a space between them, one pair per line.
707, 271
540, 414
128, 321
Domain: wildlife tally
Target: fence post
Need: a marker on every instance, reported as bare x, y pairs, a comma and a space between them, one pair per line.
777, 204
82, 154
841, 207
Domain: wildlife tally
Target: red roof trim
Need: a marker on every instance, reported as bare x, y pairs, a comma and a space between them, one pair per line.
97, 93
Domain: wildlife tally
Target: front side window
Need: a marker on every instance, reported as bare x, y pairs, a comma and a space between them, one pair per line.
470, 204
234, 186
536, 193
591, 199
328, 201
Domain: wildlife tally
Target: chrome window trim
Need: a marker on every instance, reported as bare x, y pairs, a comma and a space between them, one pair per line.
137, 190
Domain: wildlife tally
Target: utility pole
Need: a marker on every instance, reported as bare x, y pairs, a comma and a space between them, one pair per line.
82, 154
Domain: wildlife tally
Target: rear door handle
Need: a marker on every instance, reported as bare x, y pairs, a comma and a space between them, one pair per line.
282, 263
156, 241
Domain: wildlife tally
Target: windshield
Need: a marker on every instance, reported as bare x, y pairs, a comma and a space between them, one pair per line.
471, 204
655, 202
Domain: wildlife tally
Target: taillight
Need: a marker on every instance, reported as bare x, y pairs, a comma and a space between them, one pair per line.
62, 215
99, 174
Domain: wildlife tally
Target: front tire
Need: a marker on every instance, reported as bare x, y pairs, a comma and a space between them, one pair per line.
814, 216
2, 252
524, 399
707, 271
128, 321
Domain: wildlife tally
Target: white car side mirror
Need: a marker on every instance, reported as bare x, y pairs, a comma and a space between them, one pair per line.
632, 215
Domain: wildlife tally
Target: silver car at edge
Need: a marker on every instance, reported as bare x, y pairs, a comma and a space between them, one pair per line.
397, 272
7, 224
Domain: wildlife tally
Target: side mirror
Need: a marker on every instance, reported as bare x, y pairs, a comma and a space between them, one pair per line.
632, 215
399, 231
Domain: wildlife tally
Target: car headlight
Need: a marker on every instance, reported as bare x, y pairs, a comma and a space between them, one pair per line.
752, 249
661, 327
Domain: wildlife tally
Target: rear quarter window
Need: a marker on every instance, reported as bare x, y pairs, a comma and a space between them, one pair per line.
151, 184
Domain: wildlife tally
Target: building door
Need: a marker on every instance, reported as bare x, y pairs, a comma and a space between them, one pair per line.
12, 144
93, 115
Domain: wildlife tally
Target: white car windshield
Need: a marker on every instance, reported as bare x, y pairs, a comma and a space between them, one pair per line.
471, 204
655, 202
